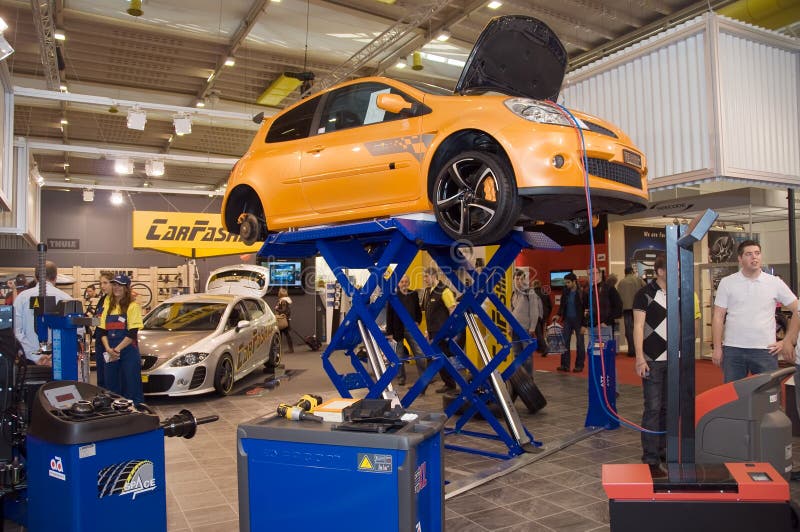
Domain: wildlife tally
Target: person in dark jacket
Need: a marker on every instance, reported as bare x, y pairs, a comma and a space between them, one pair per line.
438, 303
99, 359
547, 308
608, 301
571, 311
396, 329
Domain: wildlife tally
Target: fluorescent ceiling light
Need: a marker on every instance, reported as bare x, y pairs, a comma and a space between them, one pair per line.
59, 35
88, 195
137, 119
6, 49
182, 123
116, 198
443, 36
123, 166
230, 61
494, 4
200, 103
154, 168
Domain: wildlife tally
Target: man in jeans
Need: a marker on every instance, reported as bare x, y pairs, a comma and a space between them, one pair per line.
396, 329
571, 311
744, 309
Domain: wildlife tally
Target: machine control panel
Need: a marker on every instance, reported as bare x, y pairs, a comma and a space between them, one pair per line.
72, 412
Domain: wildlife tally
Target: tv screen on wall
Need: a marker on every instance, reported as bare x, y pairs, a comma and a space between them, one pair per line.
557, 278
287, 274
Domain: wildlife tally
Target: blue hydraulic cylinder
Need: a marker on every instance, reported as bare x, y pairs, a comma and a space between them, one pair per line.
602, 385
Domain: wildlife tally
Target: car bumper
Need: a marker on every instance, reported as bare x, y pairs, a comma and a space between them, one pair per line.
190, 380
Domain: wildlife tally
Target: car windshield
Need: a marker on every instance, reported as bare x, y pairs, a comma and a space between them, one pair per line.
237, 276
185, 316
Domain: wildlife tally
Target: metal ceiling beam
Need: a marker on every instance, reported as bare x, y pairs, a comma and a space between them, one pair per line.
559, 17
602, 10
37, 146
244, 29
147, 190
45, 28
380, 44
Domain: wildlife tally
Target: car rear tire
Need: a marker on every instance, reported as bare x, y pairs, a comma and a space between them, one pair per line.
475, 198
274, 357
224, 375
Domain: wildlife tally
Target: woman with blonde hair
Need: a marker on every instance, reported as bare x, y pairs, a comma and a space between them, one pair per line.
283, 311
119, 326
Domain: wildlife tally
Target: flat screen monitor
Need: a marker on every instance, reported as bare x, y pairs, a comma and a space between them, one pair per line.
287, 274
557, 278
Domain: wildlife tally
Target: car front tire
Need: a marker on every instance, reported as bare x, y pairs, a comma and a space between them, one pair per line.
224, 375
475, 198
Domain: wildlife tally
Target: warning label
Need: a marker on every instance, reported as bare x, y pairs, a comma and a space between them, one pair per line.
375, 463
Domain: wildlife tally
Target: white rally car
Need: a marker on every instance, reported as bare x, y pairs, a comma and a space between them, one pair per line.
193, 344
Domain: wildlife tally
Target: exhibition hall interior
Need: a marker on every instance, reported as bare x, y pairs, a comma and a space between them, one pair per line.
399, 265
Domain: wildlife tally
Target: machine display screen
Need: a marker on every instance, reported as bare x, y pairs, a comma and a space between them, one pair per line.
759, 476
63, 396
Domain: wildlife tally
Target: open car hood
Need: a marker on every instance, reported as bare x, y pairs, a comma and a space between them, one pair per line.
242, 279
518, 56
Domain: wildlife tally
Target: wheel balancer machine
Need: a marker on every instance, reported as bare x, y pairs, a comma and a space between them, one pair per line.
377, 245
692, 497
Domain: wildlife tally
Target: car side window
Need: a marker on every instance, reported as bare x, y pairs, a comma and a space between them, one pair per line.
294, 124
356, 105
238, 313
254, 308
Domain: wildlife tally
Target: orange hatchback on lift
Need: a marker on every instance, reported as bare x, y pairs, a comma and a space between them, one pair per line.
495, 154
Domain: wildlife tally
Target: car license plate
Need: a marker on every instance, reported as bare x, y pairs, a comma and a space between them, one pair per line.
145, 378
633, 159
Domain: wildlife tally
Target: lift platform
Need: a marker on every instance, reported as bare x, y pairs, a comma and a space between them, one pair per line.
386, 249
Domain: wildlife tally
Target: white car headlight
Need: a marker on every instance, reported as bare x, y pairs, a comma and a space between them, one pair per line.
536, 111
189, 359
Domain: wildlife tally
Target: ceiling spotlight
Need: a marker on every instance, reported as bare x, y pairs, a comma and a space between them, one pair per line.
123, 166
494, 4
59, 35
182, 123
200, 103
230, 61
137, 119
116, 198
135, 8
64, 122
67, 179
443, 36
113, 109
66, 165
154, 168
63, 88
88, 195
401, 63
146, 184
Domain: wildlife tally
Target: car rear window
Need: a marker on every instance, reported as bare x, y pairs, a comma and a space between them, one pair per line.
185, 316
294, 124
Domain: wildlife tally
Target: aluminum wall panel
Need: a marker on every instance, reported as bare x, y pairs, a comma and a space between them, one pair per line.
759, 91
660, 98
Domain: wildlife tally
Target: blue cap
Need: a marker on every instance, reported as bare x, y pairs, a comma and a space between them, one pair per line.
124, 280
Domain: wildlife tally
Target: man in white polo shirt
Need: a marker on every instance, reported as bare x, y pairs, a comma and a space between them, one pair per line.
745, 309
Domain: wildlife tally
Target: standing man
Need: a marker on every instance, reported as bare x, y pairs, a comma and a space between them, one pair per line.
610, 305
396, 329
24, 328
527, 309
547, 308
571, 312
745, 309
627, 288
438, 302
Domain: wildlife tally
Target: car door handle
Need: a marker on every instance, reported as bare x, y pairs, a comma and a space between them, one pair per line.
316, 149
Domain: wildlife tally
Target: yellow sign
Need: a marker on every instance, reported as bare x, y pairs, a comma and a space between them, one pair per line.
186, 233
365, 463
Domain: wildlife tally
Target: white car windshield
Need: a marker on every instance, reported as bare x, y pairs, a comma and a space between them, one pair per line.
185, 316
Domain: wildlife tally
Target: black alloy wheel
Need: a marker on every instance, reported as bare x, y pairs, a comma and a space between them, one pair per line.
223, 376
475, 198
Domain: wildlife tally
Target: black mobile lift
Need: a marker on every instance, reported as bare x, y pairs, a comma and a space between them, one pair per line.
696, 497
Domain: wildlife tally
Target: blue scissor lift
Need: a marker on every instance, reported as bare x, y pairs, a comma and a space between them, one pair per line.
386, 249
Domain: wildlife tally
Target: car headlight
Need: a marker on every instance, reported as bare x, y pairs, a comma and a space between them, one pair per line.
189, 359
535, 111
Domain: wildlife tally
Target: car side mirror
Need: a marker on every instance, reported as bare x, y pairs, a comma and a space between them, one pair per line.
394, 103
243, 324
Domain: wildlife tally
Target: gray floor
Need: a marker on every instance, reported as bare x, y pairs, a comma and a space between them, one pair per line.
561, 492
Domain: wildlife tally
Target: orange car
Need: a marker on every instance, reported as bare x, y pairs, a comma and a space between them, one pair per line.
495, 154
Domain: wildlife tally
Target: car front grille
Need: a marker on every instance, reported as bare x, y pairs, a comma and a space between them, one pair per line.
597, 128
198, 377
148, 361
158, 383
615, 172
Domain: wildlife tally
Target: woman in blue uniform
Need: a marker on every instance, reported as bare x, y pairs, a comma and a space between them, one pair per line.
119, 325
99, 360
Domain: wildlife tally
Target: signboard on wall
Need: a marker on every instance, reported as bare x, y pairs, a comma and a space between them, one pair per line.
186, 233
642, 244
